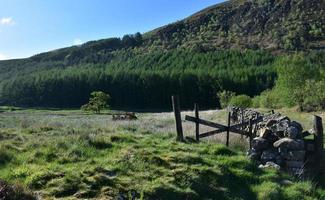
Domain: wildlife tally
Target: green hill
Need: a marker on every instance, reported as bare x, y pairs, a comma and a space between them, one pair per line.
234, 46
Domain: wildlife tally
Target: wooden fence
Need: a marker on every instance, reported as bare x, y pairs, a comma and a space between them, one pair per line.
314, 146
219, 128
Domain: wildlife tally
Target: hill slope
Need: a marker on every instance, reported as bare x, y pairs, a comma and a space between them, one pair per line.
226, 46
268, 24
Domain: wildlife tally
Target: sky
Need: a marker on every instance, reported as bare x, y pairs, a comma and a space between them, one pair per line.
28, 27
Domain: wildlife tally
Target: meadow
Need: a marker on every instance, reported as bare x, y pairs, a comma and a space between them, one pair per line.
67, 154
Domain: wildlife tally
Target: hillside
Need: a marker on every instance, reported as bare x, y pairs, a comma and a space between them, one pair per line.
266, 24
234, 46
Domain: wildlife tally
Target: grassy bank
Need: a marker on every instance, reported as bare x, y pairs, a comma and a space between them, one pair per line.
68, 155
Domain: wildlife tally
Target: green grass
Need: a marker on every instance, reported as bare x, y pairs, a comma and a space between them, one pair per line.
82, 157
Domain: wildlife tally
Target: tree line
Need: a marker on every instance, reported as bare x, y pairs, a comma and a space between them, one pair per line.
145, 80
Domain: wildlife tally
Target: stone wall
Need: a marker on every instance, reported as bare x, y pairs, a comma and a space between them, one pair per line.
278, 141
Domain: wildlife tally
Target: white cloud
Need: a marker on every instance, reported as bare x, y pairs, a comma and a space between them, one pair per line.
77, 41
7, 21
3, 57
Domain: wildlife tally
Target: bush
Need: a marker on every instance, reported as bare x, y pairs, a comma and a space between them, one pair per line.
270, 99
225, 97
256, 102
313, 96
242, 101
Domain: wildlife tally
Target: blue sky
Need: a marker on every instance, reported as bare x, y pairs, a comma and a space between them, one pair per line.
28, 27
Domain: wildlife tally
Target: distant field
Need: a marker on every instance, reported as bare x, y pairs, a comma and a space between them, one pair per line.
66, 154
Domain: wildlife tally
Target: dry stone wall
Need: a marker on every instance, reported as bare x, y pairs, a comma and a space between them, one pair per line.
278, 143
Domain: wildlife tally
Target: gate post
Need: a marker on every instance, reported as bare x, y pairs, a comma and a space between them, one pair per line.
250, 132
197, 125
319, 137
228, 129
178, 120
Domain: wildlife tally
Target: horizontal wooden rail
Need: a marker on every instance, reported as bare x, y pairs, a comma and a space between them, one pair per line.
210, 133
205, 122
221, 128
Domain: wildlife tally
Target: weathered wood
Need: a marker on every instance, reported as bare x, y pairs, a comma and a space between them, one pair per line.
222, 128
210, 133
178, 120
250, 133
197, 124
319, 137
242, 121
228, 129
205, 122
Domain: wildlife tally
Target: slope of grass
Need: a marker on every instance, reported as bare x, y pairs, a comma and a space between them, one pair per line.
105, 162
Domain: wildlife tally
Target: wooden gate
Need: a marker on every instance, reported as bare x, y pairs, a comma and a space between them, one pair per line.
219, 128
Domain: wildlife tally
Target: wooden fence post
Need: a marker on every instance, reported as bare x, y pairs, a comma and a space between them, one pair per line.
242, 121
319, 137
197, 125
250, 132
178, 120
228, 129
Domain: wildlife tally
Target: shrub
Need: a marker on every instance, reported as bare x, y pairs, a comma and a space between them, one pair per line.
225, 97
270, 99
313, 96
242, 101
256, 102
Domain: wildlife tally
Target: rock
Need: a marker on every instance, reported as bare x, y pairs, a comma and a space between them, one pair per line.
286, 182
270, 165
279, 160
264, 132
305, 134
296, 171
312, 131
290, 144
272, 138
282, 150
271, 122
269, 155
294, 155
282, 126
254, 155
283, 118
260, 144
294, 164
310, 147
292, 132
297, 125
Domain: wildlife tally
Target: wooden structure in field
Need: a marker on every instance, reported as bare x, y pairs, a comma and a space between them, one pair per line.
314, 147
219, 128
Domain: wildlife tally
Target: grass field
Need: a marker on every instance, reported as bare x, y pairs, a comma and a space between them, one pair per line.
65, 154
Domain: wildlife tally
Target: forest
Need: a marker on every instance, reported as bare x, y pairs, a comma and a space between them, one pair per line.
144, 81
